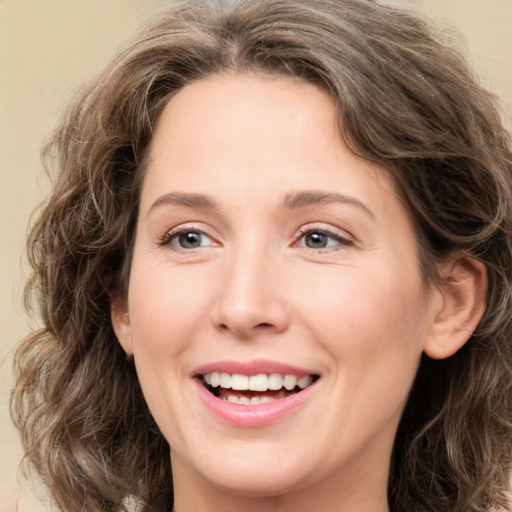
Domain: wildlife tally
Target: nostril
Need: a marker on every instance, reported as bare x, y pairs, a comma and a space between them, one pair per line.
247, 321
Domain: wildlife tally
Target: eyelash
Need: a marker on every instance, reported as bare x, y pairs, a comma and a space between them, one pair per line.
168, 237
341, 241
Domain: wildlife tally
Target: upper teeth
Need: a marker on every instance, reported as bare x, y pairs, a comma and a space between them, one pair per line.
261, 382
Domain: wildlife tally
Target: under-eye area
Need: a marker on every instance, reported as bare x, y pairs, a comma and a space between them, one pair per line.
255, 389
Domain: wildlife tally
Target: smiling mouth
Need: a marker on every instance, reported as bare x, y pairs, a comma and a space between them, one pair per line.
255, 389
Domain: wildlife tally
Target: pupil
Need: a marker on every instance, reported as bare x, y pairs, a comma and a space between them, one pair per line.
316, 241
190, 239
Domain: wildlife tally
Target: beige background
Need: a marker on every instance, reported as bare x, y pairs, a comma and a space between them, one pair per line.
47, 47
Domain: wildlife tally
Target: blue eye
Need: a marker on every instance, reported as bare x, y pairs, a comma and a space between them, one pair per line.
321, 239
187, 239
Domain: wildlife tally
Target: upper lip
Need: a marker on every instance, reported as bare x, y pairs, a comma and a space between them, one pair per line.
254, 367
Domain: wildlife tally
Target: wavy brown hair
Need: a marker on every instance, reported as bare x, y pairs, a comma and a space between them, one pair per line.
407, 101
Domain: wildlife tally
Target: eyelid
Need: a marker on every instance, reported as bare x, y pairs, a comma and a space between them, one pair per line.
166, 238
342, 237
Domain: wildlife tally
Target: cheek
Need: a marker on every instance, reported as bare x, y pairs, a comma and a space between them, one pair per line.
165, 306
372, 321
354, 304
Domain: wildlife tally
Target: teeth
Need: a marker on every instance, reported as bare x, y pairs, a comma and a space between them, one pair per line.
290, 381
305, 381
215, 379
239, 382
275, 381
225, 380
261, 382
246, 401
258, 382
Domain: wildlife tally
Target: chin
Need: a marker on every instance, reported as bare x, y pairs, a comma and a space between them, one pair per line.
261, 472
259, 483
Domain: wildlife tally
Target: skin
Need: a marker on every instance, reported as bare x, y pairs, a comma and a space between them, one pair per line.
357, 312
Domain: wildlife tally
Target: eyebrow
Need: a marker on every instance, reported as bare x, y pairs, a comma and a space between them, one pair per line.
185, 199
292, 201
314, 197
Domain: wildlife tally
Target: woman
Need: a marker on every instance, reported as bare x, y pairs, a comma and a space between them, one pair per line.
278, 249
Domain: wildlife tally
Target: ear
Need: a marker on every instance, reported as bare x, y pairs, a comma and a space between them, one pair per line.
461, 304
121, 324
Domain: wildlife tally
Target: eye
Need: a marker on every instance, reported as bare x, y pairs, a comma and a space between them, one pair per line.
187, 239
321, 239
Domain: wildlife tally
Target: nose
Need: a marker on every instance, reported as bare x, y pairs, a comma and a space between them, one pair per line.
251, 299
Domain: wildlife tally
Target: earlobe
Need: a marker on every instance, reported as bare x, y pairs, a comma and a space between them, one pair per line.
121, 324
461, 306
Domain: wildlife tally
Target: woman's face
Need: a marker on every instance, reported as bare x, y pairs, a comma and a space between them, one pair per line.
266, 250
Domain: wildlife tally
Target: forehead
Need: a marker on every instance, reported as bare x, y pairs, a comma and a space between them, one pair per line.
225, 108
278, 127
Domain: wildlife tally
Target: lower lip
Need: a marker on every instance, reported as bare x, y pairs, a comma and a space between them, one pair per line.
257, 415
